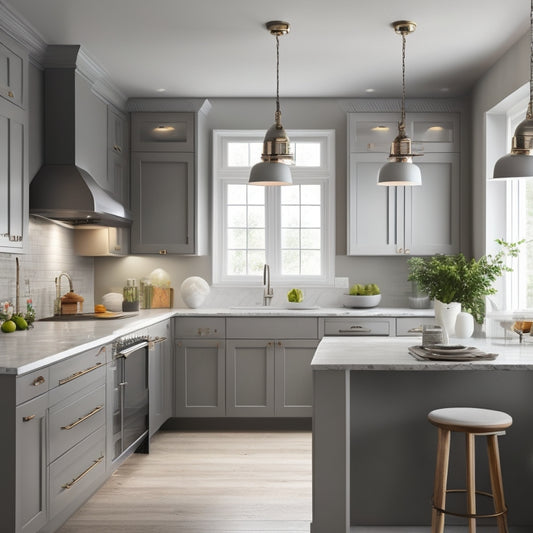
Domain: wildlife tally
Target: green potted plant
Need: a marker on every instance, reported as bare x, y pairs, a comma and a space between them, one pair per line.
454, 278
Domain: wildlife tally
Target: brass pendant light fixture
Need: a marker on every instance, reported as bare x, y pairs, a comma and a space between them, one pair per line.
273, 168
400, 170
519, 163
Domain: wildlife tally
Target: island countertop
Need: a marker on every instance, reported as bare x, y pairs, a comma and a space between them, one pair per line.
391, 354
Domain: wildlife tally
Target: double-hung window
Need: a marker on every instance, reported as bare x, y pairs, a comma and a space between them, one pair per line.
290, 228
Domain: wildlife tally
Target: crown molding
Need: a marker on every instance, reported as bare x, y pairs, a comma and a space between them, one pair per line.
21, 31
394, 105
194, 105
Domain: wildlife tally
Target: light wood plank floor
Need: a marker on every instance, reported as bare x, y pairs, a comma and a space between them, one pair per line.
203, 482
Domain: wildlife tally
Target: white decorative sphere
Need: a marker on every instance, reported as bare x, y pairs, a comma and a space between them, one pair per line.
194, 291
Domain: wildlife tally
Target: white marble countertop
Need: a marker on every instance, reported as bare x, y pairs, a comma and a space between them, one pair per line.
49, 342
390, 353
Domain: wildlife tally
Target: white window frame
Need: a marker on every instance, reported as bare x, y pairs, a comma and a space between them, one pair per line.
324, 175
500, 125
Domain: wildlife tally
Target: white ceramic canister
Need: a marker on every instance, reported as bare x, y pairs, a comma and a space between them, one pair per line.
464, 325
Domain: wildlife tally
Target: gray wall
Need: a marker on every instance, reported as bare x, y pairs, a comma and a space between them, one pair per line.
298, 113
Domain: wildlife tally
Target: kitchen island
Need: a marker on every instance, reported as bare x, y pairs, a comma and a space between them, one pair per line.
373, 448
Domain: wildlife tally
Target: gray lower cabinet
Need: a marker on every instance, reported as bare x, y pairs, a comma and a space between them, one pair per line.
268, 370
200, 378
160, 375
250, 377
31, 500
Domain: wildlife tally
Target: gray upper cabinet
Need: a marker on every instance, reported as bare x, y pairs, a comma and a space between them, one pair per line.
163, 203
12, 74
117, 155
14, 182
163, 132
404, 220
169, 187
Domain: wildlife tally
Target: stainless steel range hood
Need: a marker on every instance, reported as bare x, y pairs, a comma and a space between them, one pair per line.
62, 190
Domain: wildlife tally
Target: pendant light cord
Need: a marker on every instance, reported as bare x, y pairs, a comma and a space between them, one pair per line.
529, 113
278, 111
402, 124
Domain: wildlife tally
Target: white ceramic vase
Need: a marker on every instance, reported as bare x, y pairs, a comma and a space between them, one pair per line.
194, 291
446, 316
464, 325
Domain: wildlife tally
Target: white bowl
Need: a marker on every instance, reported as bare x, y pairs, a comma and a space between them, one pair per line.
359, 300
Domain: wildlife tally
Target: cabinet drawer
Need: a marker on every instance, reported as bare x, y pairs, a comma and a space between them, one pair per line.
412, 326
32, 384
272, 328
77, 372
162, 132
77, 472
359, 326
73, 419
11, 72
189, 327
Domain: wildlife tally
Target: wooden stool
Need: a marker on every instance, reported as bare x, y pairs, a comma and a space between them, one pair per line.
471, 422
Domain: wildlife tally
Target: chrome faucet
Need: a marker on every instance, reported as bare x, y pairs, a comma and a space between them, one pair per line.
57, 302
269, 291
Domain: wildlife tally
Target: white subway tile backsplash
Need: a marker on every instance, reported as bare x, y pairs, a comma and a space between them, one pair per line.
49, 252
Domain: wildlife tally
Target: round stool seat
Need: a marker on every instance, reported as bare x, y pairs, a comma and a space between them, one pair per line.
470, 419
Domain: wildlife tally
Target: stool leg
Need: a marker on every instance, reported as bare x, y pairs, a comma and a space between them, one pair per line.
471, 480
496, 481
441, 479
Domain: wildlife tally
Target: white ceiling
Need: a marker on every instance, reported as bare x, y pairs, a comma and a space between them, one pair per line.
336, 48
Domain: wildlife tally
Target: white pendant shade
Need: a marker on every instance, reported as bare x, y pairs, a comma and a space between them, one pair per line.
270, 173
400, 174
514, 166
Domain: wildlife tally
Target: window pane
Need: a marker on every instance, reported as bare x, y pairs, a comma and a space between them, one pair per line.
290, 194
256, 239
238, 154
236, 194
290, 216
236, 216
256, 149
256, 216
236, 262
310, 262
256, 261
290, 262
290, 238
310, 216
307, 154
310, 194
311, 238
236, 238
256, 195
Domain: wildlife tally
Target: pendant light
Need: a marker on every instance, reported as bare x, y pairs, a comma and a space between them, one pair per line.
519, 163
276, 156
400, 170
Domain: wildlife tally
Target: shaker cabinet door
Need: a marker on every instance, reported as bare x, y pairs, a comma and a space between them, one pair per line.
163, 203
372, 209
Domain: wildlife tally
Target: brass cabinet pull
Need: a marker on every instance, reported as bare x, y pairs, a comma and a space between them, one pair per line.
28, 418
162, 252
356, 329
418, 329
79, 374
70, 484
83, 418
156, 340
38, 381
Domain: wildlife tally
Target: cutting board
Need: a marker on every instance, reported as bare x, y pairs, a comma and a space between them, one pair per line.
111, 314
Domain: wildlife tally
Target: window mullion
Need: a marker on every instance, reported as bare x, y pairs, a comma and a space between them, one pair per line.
272, 230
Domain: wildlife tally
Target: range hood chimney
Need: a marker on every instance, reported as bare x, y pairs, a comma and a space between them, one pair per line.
62, 190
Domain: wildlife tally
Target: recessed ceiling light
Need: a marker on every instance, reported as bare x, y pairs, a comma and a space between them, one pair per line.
161, 90
444, 89
370, 90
